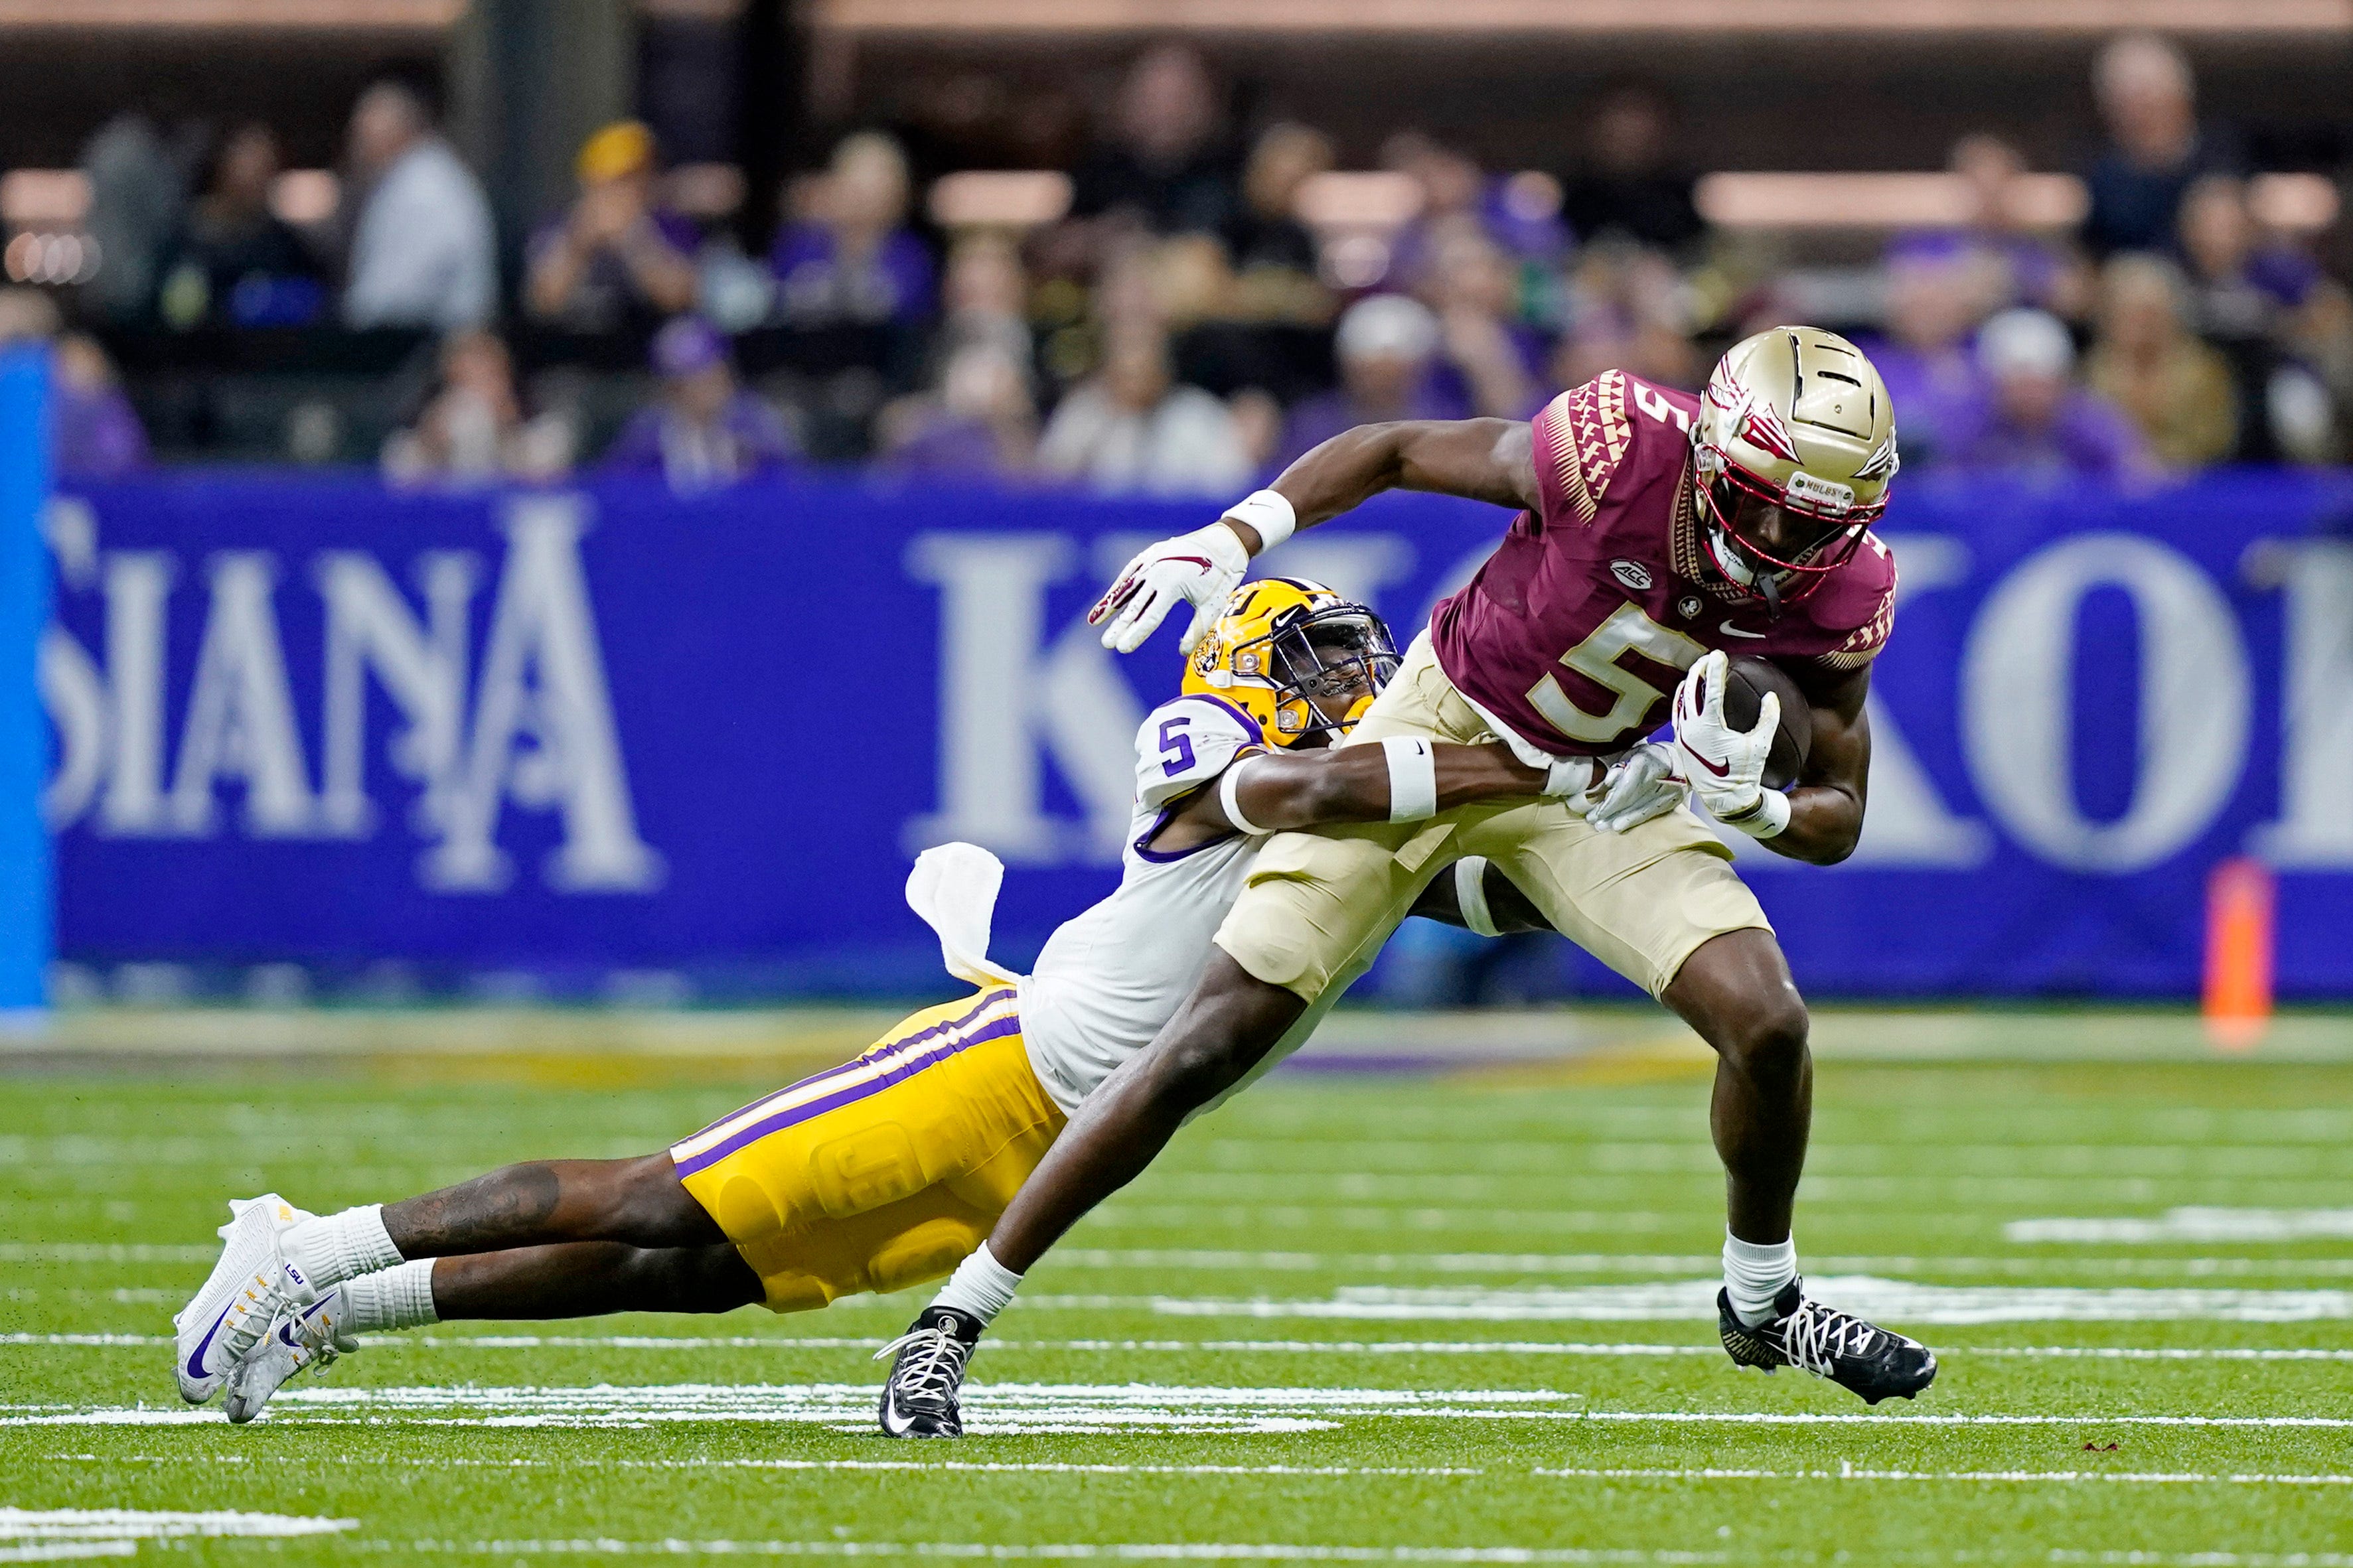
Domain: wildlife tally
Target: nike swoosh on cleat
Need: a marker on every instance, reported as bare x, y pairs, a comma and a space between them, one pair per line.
195, 1357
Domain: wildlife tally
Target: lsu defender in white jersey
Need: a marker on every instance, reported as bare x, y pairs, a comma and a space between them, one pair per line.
888, 1170
1287, 669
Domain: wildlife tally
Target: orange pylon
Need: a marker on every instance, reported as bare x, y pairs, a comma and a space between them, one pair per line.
2239, 947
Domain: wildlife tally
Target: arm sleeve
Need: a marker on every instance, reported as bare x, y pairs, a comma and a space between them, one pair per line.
1186, 745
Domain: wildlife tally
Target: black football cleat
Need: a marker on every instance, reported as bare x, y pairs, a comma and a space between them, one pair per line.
919, 1400
1865, 1359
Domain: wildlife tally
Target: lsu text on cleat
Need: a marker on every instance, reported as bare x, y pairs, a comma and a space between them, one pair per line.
240, 1298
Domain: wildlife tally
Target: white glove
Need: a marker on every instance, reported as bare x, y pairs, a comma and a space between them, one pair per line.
1725, 767
1570, 779
1201, 568
1642, 785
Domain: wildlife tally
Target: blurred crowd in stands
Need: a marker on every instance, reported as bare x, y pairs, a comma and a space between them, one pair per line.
1185, 323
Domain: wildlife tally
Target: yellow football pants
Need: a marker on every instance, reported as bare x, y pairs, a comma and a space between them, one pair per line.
886, 1170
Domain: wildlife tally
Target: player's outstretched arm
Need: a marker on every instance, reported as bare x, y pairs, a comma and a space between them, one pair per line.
1273, 791
1484, 460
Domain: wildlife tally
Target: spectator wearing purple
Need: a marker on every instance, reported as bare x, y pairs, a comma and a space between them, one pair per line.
1488, 358
1938, 287
851, 258
2156, 148
2033, 419
1386, 345
99, 435
2033, 269
979, 421
1166, 164
94, 433
704, 430
616, 254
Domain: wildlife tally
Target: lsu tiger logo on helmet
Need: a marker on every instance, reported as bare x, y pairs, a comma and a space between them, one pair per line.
1300, 660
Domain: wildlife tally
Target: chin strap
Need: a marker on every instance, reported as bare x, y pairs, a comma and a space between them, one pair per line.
1770, 586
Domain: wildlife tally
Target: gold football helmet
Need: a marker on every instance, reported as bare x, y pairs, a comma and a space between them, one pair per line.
1302, 661
1794, 419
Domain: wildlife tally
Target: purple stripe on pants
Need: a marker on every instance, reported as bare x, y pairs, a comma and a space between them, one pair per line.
864, 1058
900, 1073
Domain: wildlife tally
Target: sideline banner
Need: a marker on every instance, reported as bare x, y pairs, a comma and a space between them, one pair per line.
606, 736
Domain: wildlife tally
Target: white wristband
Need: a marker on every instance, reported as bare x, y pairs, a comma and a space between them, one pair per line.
1413, 778
1766, 819
1471, 896
1233, 806
1267, 513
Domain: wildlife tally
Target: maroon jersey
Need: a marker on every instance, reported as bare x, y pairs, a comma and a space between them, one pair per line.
1577, 630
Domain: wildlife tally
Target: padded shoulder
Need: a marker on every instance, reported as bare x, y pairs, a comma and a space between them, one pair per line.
1186, 743
1582, 438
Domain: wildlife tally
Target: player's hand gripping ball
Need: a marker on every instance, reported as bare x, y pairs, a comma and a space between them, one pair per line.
1726, 766
1201, 569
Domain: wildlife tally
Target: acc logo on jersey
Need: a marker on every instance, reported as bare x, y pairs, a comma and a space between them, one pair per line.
1633, 574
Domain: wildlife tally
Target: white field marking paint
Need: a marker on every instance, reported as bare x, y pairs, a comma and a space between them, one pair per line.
2197, 1225
1130, 1551
1026, 1408
1221, 1347
102, 1252
27, 1530
1668, 1263
142, 1341
411, 1462
1847, 1472
1924, 1187
996, 1408
1865, 1295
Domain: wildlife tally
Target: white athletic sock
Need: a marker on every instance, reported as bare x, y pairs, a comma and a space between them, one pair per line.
340, 1246
980, 1287
1754, 1272
397, 1298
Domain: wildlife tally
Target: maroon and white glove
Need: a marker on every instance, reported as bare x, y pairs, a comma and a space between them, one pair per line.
1201, 569
1726, 766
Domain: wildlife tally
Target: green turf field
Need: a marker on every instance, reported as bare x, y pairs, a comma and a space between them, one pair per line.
1444, 1319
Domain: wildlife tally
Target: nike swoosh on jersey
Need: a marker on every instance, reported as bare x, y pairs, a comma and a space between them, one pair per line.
1728, 629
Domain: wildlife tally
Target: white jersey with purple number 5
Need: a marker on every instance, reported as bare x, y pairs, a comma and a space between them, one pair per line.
1110, 978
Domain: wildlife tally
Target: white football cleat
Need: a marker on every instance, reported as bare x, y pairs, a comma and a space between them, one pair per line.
245, 1290
303, 1337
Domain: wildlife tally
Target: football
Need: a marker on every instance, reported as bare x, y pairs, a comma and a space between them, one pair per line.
1746, 684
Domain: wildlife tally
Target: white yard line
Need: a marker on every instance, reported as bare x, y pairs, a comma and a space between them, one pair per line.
1028, 1407
1669, 1262
1847, 1472
1900, 1301
2194, 1225
1155, 1552
37, 1535
1219, 1347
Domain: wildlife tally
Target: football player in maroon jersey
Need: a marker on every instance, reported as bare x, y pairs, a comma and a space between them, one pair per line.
1657, 532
